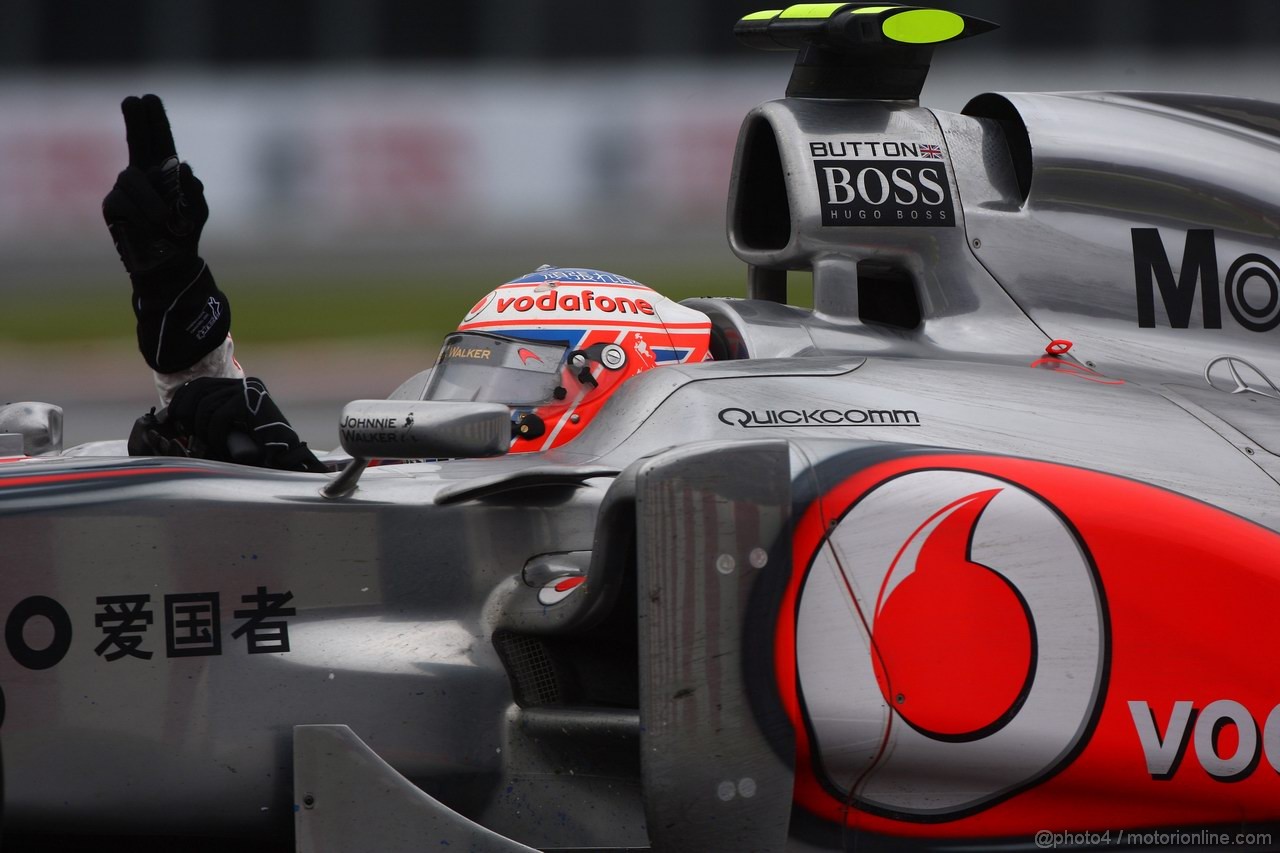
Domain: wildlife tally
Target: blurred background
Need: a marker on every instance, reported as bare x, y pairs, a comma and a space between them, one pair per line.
374, 166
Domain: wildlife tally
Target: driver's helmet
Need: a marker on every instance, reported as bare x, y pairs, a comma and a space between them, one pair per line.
555, 344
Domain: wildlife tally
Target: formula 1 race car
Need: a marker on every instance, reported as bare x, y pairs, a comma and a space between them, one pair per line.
981, 551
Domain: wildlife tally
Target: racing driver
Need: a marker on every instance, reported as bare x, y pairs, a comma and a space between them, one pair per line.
553, 345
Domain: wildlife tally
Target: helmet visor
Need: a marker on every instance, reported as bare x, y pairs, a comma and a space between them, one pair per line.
485, 368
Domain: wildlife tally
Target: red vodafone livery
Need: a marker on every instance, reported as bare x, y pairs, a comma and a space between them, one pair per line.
1055, 645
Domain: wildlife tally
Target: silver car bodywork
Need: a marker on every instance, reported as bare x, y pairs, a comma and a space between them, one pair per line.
169, 622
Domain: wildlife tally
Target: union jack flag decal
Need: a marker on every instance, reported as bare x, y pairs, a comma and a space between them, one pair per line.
933, 152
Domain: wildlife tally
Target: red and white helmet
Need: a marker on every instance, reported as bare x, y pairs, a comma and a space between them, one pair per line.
555, 344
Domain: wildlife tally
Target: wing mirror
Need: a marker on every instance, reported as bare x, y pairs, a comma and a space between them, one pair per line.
38, 424
417, 429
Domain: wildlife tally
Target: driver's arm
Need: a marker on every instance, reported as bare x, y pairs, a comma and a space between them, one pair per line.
155, 213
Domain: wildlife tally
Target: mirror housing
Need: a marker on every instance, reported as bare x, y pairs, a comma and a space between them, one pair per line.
39, 424
424, 429
417, 429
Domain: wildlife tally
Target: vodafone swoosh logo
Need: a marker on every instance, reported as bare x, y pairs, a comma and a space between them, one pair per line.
949, 619
934, 589
478, 307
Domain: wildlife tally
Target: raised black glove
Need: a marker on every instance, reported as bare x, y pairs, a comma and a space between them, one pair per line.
155, 213
235, 420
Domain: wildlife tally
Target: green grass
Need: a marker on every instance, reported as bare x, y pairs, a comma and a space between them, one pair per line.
285, 311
